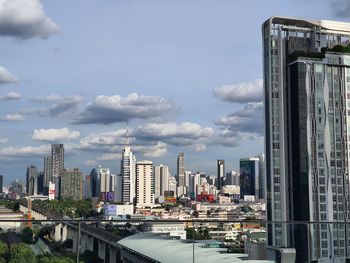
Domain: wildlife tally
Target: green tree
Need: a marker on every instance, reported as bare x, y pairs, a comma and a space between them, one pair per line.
27, 235
21, 253
3, 252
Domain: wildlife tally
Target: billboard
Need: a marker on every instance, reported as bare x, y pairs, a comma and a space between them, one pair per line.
107, 196
110, 210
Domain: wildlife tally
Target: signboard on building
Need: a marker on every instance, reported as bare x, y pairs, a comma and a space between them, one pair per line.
107, 196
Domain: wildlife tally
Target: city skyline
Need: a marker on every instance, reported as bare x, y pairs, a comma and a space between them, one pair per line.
180, 80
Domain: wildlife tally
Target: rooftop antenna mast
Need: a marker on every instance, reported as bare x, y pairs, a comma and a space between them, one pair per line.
127, 133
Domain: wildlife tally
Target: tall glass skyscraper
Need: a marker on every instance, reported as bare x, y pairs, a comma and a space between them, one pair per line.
307, 122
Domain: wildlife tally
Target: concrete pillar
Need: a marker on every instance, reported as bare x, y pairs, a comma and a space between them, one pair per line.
64, 233
90, 243
58, 236
74, 238
112, 255
101, 249
83, 243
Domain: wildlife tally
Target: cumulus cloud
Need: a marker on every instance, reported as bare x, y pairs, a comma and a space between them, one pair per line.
5, 76
25, 19
13, 117
249, 119
54, 135
59, 105
185, 133
3, 140
241, 93
341, 8
25, 151
11, 96
112, 109
90, 163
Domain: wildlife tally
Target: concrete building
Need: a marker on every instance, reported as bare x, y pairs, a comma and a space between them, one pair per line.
118, 188
127, 170
57, 153
161, 180
72, 184
249, 176
232, 178
144, 184
220, 174
181, 169
47, 173
307, 84
32, 180
105, 179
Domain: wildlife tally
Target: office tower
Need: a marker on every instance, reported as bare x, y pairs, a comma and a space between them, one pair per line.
87, 186
95, 182
187, 180
47, 173
306, 85
105, 179
72, 184
161, 180
57, 153
172, 185
127, 170
1, 183
232, 178
194, 182
144, 184
220, 174
41, 183
262, 177
118, 188
249, 176
32, 180
112, 183
181, 169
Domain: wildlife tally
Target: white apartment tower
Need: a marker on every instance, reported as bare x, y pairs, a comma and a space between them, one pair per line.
307, 136
127, 170
144, 184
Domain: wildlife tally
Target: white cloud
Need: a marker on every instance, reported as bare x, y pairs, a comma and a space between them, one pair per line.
112, 109
91, 163
5, 76
11, 96
242, 92
53, 135
3, 140
25, 151
13, 117
25, 19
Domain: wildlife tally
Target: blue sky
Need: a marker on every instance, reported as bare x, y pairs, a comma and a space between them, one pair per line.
185, 75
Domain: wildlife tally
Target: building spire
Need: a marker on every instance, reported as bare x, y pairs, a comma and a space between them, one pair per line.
127, 133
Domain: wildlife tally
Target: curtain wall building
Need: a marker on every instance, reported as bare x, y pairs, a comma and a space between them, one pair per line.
307, 142
127, 170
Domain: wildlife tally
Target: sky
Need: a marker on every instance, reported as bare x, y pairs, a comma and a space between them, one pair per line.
182, 75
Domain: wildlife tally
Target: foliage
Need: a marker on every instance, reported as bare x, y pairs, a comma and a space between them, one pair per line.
52, 259
21, 253
198, 234
27, 235
90, 257
3, 249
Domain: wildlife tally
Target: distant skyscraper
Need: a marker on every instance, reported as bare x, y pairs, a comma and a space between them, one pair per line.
144, 184
220, 173
72, 184
57, 152
262, 177
307, 87
161, 180
232, 178
95, 182
181, 169
47, 173
249, 176
1, 183
41, 183
173, 185
87, 186
112, 182
187, 180
105, 179
118, 188
32, 180
127, 170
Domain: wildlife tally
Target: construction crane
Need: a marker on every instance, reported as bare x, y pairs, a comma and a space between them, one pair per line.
29, 212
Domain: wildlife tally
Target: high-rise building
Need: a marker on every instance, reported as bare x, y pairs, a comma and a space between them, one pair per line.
118, 188
220, 174
32, 180
232, 178
181, 169
249, 176
172, 185
87, 186
57, 153
105, 179
95, 182
112, 182
161, 180
307, 84
144, 184
41, 183
127, 170
1, 183
262, 177
72, 184
47, 173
